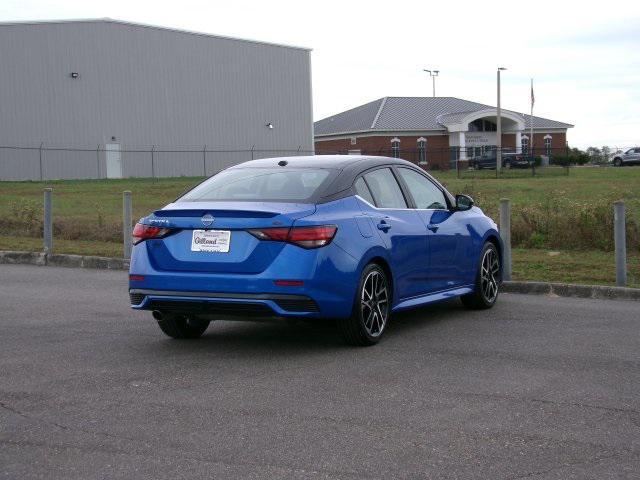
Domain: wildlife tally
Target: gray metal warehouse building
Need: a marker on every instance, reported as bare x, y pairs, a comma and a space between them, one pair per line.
106, 98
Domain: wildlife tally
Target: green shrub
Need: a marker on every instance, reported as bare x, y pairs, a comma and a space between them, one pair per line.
565, 224
561, 160
537, 240
25, 218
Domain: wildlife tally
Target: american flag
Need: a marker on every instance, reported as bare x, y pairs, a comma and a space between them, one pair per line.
533, 98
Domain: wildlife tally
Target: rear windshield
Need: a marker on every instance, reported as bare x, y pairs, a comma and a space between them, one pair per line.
260, 184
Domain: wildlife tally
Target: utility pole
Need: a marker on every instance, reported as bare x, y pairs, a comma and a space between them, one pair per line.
433, 74
499, 128
530, 152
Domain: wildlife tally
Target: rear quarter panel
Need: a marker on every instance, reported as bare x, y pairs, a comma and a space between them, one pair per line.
355, 237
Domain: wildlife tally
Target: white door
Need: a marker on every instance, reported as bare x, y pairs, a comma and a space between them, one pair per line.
113, 160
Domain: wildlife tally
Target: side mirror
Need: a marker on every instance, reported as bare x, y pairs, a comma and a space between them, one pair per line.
463, 202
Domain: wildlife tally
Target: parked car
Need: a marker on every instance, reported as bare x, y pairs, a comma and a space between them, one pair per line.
509, 160
350, 238
629, 157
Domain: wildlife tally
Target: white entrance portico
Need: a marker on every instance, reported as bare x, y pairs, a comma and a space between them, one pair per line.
472, 132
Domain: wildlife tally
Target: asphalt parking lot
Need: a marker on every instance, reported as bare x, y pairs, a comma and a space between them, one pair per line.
539, 387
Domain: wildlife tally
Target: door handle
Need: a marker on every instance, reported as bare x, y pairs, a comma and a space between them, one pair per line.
384, 226
433, 227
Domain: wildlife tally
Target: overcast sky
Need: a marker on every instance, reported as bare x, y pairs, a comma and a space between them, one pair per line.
584, 56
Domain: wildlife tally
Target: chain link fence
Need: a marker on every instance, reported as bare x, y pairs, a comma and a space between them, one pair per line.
53, 162
479, 161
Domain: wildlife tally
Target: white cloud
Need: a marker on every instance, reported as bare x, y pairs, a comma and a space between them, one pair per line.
582, 55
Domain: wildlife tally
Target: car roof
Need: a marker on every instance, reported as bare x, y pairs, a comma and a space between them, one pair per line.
347, 168
338, 162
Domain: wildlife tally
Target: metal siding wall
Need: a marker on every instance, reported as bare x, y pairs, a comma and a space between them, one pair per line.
19, 164
146, 86
135, 163
217, 161
176, 164
57, 164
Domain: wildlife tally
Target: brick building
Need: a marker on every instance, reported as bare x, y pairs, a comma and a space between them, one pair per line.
434, 131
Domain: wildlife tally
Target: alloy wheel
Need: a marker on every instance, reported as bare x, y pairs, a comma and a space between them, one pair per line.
374, 303
489, 275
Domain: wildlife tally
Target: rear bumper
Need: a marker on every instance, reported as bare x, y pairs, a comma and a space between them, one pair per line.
329, 279
225, 305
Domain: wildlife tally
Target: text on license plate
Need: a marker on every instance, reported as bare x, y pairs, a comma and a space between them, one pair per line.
211, 241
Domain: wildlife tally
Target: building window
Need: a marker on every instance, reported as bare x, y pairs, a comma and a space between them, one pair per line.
547, 145
353, 140
524, 143
490, 126
482, 125
395, 147
422, 151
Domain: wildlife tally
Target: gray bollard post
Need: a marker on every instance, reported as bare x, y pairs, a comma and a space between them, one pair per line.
48, 221
126, 223
619, 236
505, 235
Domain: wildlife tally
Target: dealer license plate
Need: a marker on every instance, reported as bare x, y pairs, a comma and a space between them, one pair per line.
211, 241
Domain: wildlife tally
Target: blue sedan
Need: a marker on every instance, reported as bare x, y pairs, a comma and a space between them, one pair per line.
350, 238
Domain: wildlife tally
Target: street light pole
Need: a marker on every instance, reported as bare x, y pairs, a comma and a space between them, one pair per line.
433, 74
499, 128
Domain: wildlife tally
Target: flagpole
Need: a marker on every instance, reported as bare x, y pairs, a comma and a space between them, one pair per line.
531, 124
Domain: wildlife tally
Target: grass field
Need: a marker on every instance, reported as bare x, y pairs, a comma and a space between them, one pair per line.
585, 185
572, 215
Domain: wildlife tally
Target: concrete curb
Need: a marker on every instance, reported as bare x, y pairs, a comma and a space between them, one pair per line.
536, 288
570, 290
59, 260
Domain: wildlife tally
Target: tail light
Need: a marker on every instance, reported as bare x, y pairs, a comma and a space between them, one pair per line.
144, 232
305, 237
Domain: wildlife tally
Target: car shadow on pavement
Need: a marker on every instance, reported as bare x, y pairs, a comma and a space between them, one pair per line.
258, 338
303, 337
405, 322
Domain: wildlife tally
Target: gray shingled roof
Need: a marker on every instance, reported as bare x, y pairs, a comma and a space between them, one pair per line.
453, 118
410, 113
357, 119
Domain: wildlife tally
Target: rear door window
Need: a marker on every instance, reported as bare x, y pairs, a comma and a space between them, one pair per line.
385, 189
363, 191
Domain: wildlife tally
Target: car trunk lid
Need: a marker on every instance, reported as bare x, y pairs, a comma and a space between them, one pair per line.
246, 254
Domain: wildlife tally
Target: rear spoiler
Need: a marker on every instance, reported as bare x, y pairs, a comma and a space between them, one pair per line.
220, 213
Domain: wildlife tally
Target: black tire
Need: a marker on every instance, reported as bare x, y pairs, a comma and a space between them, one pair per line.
487, 285
182, 326
371, 308
617, 162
